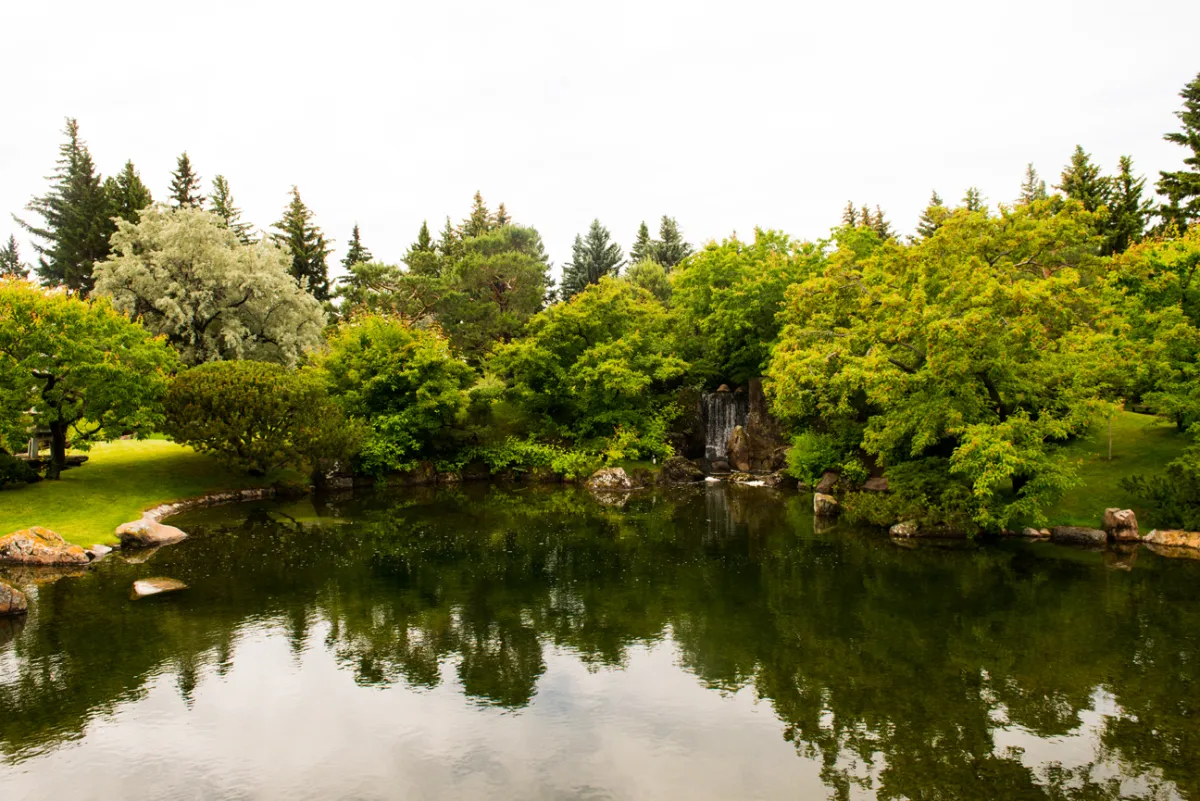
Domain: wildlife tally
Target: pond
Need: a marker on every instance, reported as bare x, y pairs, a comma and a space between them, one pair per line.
535, 643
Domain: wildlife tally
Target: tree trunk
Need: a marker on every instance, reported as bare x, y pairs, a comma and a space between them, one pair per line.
58, 451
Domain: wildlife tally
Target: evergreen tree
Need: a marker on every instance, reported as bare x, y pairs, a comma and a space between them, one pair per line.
450, 243
11, 265
865, 218
76, 218
223, 206
1082, 181
850, 215
127, 195
1182, 187
1128, 210
593, 257
185, 184
309, 249
1032, 188
642, 245
502, 219
424, 243
880, 225
931, 219
670, 249
480, 221
356, 253
973, 200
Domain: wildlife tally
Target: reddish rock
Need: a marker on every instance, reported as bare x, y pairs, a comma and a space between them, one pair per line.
1171, 538
12, 601
39, 546
825, 505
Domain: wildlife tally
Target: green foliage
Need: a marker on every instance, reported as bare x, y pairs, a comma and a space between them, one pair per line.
924, 491
15, 471
224, 207
356, 251
592, 258
811, 454
75, 216
1174, 497
523, 455
728, 297
983, 345
932, 217
1033, 188
185, 274
596, 369
1129, 211
973, 201
127, 195
185, 184
83, 368
11, 265
301, 238
652, 277
669, 249
1182, 187
259, 416
405, 386
642, 249
1082, 181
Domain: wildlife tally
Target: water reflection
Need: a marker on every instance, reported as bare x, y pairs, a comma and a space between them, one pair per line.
1015, 671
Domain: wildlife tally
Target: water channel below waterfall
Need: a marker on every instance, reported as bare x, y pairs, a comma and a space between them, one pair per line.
723, 411
530, 642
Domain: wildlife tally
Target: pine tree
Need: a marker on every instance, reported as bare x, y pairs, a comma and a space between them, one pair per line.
76, 218
480, 221
931, 219
11, 265
1033, 188
850, 215
185, 184
356, 253
424, 243
670, 248
881, 226
223, 206
449, 244
973, 200
127, 195
1082, 181
1182, 187
865, 218
593, 257
501, 219
642, 245
1128, 211
307, 245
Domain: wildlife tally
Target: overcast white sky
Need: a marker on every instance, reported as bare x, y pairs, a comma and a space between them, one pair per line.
724, 115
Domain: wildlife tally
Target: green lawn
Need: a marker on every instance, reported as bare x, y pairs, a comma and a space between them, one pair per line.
1141, 444
118, 482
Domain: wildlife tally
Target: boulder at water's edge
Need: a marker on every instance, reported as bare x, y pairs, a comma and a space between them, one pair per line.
12, 601
39, 546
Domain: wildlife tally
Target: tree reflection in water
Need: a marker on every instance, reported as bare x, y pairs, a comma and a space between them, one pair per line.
907, 673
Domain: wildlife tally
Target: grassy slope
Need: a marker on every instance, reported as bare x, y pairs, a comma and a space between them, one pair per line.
119, 481
1141, 444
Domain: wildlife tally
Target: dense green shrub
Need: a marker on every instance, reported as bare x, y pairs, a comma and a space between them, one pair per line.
259, 416
15, 471
522, 455
922, 491
405, 385
1175, 497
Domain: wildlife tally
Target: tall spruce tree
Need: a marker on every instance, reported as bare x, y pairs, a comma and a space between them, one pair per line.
11, 265
127, 195
1033, 188
1182, 187
300, 237
973, 200
931, 219
224, 207
185, 184
449, 244
642, 245
670, 248
356, 252
850, 215
1128, 210
480, 221
1082, 181
76, 218
501, 219
880, 225
592, 257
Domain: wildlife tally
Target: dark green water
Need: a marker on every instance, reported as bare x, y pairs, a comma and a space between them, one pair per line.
703, 643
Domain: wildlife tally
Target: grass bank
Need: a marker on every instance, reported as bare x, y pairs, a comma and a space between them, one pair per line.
1140, 444
120, 480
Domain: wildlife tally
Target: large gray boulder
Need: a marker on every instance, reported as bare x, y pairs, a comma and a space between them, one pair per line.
677, 470
1121, 525
610, 479
12, 601
39, 546
1078, 535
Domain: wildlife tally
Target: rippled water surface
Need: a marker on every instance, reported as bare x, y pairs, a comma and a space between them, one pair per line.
534, 643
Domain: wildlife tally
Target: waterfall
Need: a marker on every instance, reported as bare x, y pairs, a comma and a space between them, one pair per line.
723, 411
